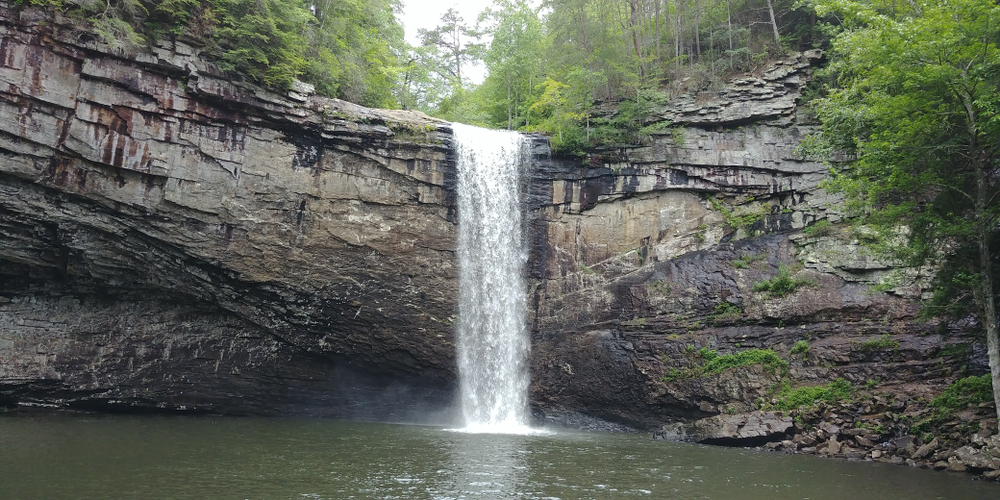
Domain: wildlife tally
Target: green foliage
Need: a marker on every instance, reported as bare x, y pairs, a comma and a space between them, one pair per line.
764, 357
876, 428
801, 347
726, 312
347, 48
820, 228
512, 60
747, 260
714, 363
263, 39
957, 350
741, 217
781, 284
708, 354
963, 392
916, 117
790, 399
883, 343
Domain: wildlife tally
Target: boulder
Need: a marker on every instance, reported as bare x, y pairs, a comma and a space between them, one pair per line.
906, 445
747, 429
925, 450
975, 458
863, 441
829, 428
834, 446
956, 465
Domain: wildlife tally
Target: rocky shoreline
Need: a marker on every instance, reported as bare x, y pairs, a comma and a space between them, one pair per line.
872, 428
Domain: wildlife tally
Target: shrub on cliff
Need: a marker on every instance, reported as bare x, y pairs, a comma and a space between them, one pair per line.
765, 357
790, 399
963, 392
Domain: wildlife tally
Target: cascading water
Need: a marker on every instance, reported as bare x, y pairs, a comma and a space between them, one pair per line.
493, 341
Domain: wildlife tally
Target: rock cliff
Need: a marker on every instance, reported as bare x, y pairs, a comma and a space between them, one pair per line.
651, 252
174, 240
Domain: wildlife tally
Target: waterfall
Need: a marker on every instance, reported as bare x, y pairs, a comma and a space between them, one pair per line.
493, 341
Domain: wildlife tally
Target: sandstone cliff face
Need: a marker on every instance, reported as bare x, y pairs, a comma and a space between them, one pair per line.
171, 239
652, 251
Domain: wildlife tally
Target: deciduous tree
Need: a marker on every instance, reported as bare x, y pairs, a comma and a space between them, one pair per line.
917, 113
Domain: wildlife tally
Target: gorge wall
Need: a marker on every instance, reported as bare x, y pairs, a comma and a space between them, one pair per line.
170, 239
650, 252
173, 240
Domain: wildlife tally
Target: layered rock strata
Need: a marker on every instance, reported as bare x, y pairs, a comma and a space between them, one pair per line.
649, 253
173, 239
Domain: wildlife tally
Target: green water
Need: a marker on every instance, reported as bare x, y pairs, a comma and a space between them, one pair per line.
223, 458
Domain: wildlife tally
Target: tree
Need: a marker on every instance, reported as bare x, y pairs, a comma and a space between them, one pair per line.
451, 38
512, 58
917, 112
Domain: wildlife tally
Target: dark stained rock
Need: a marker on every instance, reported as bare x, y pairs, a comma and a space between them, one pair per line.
171, 238
747, 429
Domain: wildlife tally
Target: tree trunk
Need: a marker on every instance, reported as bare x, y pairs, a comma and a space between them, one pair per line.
697, 27
633, 20
656, 17
990, 321
677, 33
774, 24
984, 228
509, 118
729, 18
987, 302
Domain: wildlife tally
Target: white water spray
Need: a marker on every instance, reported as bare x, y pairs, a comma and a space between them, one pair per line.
493, 341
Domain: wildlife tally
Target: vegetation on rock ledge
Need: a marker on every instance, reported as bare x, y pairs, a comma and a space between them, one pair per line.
916, 110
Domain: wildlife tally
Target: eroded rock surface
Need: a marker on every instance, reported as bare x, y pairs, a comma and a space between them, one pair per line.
170, 238
745, 429
649, 253
173, 240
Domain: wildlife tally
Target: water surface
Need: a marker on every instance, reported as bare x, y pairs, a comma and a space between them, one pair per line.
222, 458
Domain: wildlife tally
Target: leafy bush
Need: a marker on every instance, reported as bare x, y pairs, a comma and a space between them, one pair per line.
724, 311
883, 343
745, 261
743, 216
764, 357
801, 347
963, 392
782, 284
790, 399
716, 363
820, 228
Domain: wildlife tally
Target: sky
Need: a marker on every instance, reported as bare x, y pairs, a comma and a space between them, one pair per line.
427, 14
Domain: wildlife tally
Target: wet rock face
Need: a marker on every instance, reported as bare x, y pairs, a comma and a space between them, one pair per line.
170, 238
173, 240
642, 256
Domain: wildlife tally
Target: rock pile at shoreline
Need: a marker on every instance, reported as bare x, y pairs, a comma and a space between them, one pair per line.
875, 429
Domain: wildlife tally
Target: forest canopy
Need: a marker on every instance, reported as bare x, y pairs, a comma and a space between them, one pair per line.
348, 49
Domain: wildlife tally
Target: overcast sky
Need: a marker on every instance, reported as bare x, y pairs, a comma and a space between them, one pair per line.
427, 14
